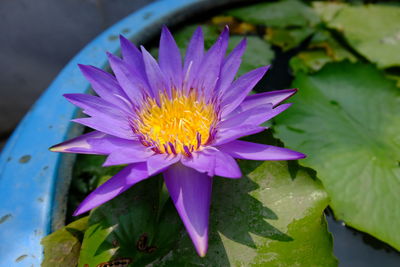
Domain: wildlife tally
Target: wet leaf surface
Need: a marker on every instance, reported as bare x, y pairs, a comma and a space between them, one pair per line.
62, 247
139, 225
258, 53
272, 216
323, 48
287, 38
345, 118
280, 14
372, 30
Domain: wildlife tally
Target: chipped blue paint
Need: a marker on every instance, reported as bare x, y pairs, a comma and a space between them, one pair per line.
28, 171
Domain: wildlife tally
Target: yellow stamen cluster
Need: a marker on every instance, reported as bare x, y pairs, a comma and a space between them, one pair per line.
176, 122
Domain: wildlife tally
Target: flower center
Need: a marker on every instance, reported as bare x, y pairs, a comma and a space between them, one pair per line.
180, 124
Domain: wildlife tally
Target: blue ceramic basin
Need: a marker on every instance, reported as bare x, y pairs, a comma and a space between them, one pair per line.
33, 180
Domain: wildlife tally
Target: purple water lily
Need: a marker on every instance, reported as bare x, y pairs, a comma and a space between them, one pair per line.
179, 119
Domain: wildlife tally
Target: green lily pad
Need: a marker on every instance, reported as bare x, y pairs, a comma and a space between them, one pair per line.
62, 247
86, 175
281, 14
258, 53
323, 49
395, 77
346, 119
327, 10
269, 217
324, 39
138, 226
372, 30
309, 61
288, 38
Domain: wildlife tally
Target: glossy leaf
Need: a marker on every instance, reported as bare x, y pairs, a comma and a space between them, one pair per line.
272, 216
281, 14
137, 226
287, 38
309, 61
258, 53
323, 48
346, 119
62, 247
372, 30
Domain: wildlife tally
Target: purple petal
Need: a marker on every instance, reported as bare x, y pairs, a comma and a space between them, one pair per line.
237, 92
191, 193
132, 56
92, 143
254, 116
117, 184
246, 150
108, 126
273, 97
94, 105
159, 162
170, 58
130, 154
226, 166
106, 117
231, 66
157, 80
227, 135
202, 161
213, 162
106, 86
209, 71
132, 82
193, 58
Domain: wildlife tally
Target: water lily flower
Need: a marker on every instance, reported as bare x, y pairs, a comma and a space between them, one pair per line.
181, 119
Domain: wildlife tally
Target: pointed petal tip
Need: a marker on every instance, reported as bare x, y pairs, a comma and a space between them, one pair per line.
291, 92
86, 69
82, 66
164, 28
295, 156
58, 148
55, 148
78, 211
124, 41
110, 55
301, 155
201, 246
198, 31
226, 28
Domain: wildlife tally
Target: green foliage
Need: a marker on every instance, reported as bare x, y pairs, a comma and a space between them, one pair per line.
86, 175
258, 53
346, 119
322, 49
287, 38
62, 247
280, 14
272, 216
372, 30
140, 225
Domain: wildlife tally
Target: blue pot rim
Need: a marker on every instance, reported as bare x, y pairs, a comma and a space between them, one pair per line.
33, 180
